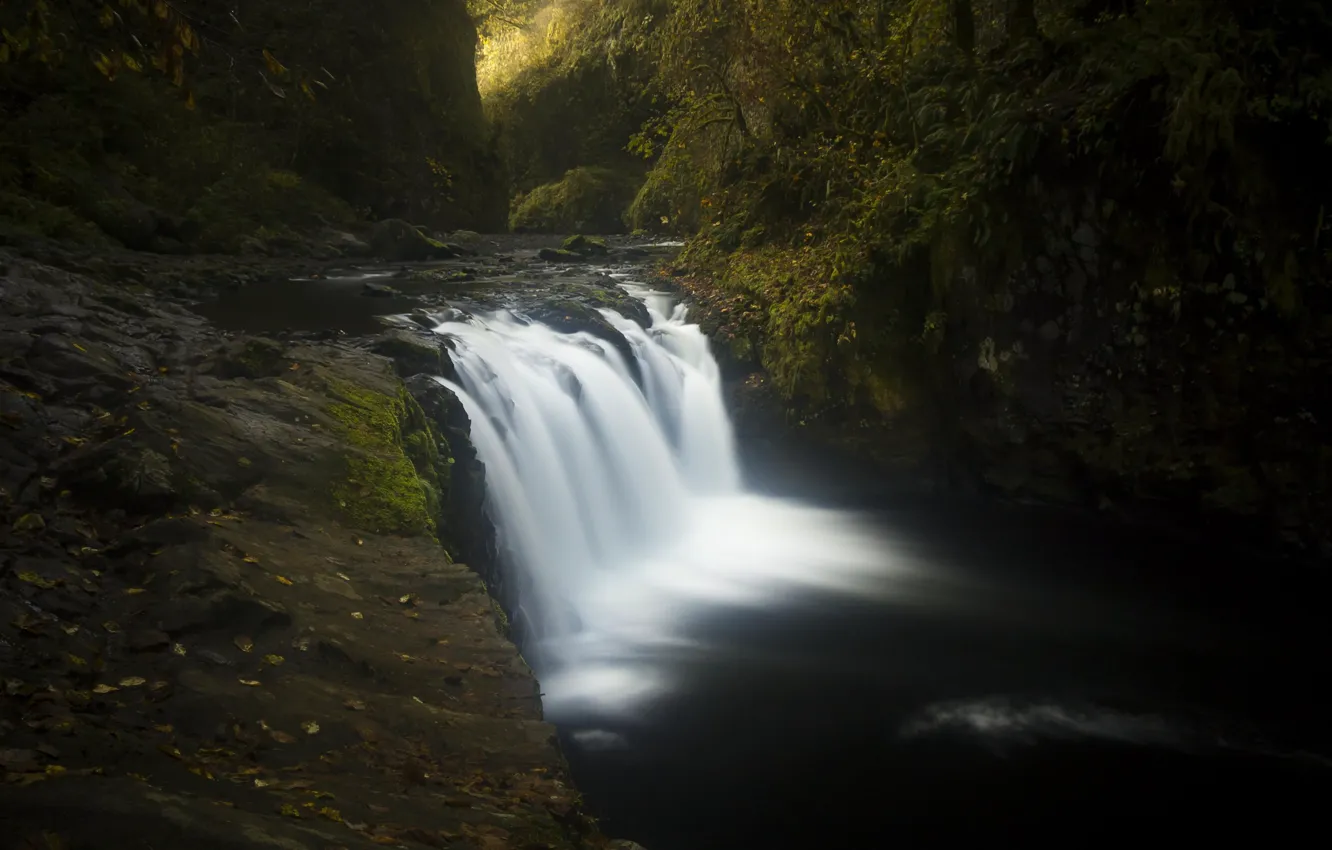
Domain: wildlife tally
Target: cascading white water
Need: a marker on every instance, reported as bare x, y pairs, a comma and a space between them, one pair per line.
621, 503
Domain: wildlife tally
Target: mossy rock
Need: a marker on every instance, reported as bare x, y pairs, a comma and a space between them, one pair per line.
255, 357
398, 241
411, 353
559, 255
587, 246
584, 200
381, 490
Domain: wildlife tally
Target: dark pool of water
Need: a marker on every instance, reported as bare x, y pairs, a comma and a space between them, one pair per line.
336, 303
1097, 680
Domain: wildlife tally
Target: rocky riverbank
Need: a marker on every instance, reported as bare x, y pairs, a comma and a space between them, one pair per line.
233, 605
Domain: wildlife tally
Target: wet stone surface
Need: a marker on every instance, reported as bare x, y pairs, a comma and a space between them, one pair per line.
202, 643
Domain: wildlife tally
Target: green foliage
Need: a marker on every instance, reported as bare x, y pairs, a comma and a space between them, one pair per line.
182, 106
264, 205
586, 199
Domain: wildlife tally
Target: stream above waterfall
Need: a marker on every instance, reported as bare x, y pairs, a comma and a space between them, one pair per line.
731, 668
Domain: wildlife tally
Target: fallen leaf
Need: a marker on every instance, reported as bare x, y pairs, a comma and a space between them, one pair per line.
275, 660
111, 627
170, 750
289, 810
250, 559
310, 727
243, 643
33, 578
165, 728
178, 648
357, 615
261, 783
343, 577
134, 591
133, 681
284, 580
282, 737
250, 683
355, 705
106, 689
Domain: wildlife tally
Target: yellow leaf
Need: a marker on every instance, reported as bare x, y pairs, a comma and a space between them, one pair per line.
132, 681
178, 649
275, 660
243, 643
189, 101
275, 67
54, 770
105, 689
289, 810
357, 615
309, 92
250, 559
130, 62
284, 580
250, 683
310, 727
134, 591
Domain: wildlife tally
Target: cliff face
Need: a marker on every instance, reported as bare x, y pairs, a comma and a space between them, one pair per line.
209, 126
1087, 267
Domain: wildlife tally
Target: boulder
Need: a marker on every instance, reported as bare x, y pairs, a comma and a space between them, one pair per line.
398, 241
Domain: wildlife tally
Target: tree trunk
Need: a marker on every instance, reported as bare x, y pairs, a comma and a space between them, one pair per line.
1022, 20
964, 26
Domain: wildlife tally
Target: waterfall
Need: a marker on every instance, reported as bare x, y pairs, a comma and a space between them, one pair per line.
618, 500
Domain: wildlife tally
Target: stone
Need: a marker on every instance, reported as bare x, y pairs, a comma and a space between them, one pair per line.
411, 353
559, 255
379, 290
398, 241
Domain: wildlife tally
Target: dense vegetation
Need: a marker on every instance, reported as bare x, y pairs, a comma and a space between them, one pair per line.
1081, 244
208, 125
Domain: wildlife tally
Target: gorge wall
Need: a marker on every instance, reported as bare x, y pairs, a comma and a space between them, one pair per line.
1065, 251
225, 127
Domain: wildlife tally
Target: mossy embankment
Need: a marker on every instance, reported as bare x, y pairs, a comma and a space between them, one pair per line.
241, 127
1085, 264
234, 608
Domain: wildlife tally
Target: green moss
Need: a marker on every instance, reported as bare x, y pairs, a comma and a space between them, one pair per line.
28, 216
382, 490
588, 246
592, 199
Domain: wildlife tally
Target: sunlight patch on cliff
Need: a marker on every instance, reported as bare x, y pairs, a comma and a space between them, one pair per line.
504, 50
